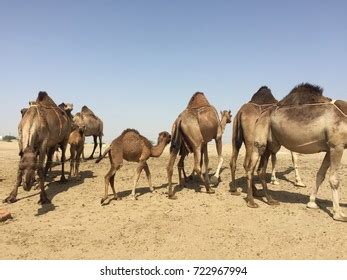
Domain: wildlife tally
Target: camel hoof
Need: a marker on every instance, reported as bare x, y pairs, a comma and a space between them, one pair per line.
172, 197
214, 180
44, 200
275, 182
235, 192
300, 184
340, 217
62, 180
210, 191
273, 202
102, 201
252, 204
257, 193
133, 197
10, 199
312, 205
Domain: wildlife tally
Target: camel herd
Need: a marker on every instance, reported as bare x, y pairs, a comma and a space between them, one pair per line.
304, 121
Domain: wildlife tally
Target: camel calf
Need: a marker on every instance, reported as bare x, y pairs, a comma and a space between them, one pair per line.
134, 147
76, 141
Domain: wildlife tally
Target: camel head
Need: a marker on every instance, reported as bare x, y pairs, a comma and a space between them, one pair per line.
164, 137
226, 115
28, 166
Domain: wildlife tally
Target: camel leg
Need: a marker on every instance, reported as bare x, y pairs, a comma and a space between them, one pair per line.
111, 173
40, 171
77, 164
72, 161
262, 176
13, 195
95, 138
298, 181
335, 162
206, 162
197, 169
274, 180
234, 155
180, 167
250, 173
149, 177
116, 197
50, 155
215, 178
63, 159
319, 180
100, 144
169, 169
137, 177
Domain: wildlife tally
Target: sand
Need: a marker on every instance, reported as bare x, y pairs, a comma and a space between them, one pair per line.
196, 226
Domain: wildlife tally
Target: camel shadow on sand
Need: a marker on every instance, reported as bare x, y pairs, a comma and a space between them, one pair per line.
285, 196
54, 188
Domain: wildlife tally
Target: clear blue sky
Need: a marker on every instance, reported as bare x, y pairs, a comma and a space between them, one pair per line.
136, 63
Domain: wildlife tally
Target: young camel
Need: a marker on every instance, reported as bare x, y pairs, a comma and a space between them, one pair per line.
225, 119
76, 141
132, 146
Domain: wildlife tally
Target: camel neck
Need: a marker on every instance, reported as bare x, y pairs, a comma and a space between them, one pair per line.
223, 124
157, 150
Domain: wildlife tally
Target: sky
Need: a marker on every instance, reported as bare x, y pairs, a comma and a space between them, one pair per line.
137, 63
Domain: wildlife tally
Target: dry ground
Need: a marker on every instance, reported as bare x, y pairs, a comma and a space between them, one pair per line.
196, 226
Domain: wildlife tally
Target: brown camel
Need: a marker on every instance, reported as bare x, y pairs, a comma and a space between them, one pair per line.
306, 122
243, 132
225, 119
76, 141
42, 127
133, 147
197, 125
93, 126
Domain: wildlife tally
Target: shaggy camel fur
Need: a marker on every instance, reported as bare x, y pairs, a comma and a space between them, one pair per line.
93, 126
42, 128
243, 132
134, 147
76, 141
197, 125
305, 122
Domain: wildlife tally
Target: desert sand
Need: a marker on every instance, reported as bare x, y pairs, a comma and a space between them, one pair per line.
196, 226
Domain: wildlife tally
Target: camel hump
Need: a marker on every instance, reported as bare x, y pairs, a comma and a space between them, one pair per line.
304, 93
86, 110
130, 130
263, 96
198, 100
44, 99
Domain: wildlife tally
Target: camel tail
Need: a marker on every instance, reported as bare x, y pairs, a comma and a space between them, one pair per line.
176, 140
103, 155
237, 132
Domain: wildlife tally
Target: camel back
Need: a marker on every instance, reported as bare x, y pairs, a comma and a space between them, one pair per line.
146, 142
198, 100
263, 96
304, 94
342, 105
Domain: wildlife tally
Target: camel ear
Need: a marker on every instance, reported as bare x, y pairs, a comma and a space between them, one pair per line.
230, 112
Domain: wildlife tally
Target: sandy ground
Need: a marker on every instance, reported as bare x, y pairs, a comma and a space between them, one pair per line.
196, 226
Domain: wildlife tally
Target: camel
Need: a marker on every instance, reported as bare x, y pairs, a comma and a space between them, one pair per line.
132, 146
197, 125
93, 126
76, 141
243, 132
306, 122
225, 119
43, 126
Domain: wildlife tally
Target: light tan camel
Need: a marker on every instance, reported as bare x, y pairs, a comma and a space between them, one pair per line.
76, 141
133, 147
42, 127
305, 122
243, 132
197, 125
225, 119
93, 126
